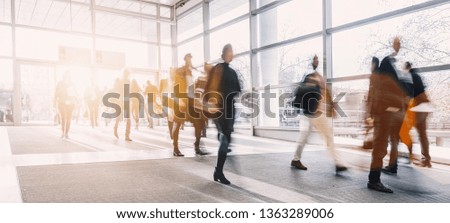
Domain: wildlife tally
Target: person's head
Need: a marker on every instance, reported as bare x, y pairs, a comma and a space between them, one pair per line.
407, 66
148, 83
188, 59
396, 44
315, 62
375, 64
227, 53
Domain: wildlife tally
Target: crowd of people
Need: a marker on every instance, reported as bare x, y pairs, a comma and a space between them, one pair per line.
395, 103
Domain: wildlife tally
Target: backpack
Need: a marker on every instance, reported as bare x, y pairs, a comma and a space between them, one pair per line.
307, 97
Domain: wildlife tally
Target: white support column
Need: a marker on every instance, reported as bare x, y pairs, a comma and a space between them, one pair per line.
206, 34
17, 94
253, 58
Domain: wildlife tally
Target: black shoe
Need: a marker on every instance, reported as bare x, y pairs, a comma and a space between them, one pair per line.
220, 178
297, 164
379, 187
128, 139
341, 168
229, 151
176, 152
201, 153
389, 170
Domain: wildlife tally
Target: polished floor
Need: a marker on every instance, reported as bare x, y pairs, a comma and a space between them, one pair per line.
36, 165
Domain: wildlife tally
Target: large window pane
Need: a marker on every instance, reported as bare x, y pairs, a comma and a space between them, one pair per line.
424, 35
129, 5
81, 18
49, 43
139, 55
242, 66
166, 57
190, 25
166, 33
222, 11
6, 41
6, 91
44, 13
289, 63
5, 10
227, 35
125, 26
194, 47
292, 19
165, 12
364, 9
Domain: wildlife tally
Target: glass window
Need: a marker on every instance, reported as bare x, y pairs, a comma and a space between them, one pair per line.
165, 12
240, 43
140, 55
166, 33
5, 10
6, 41
194, 47
260, 3
48, 44
130, 5
365, 9
81, 18
242, 66
125, 26
44, 13
424, 38
222, 11
166, 57
352, 104
292, 19
6, 91
289, 63
190, 25
438, 91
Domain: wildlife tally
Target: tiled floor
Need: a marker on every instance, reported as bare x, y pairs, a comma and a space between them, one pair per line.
92, 166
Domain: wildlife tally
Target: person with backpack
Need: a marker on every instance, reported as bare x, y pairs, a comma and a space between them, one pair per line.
316, 104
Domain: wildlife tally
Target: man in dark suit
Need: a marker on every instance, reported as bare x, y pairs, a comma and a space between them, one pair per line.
389, 101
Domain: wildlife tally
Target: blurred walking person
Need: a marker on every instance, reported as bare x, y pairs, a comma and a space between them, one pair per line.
388, 101
184, 107
137, 107
315, 112
222, 87
151, 92
416, 116
92, 97
65, 99
125, 112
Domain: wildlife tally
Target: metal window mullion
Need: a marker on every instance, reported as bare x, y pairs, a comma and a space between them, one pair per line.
206, 33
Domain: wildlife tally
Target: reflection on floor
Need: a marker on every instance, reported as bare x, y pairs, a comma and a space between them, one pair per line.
93, 166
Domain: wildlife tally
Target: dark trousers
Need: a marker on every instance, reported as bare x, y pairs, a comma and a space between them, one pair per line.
224, 127
386, 125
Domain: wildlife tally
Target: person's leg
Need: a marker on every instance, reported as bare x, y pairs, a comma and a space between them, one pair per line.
170, 126
305, 130
95, 114
62, 118
380, 142
116, 126
69, 109
175, 135
322, 125
225, 139
421, 126
394, 136
128, 129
